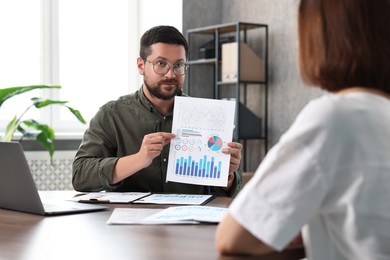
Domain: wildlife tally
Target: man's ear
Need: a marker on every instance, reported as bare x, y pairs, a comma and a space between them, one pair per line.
140, 65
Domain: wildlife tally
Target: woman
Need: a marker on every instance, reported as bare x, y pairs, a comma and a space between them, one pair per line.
329, 175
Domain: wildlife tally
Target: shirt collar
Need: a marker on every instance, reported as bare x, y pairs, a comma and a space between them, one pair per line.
145, 101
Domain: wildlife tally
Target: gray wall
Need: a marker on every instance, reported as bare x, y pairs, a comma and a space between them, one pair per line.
287, 93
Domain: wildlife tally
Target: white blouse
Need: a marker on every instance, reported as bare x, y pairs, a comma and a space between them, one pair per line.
330, 175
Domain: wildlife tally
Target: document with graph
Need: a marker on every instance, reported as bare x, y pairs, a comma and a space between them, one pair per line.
202, 127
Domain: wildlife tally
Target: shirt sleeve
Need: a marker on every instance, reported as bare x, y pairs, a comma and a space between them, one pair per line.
237, 183
234, 189
95, 159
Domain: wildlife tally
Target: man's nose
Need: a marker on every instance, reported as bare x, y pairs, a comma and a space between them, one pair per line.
170, 73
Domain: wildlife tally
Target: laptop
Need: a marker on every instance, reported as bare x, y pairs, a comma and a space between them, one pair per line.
18, 190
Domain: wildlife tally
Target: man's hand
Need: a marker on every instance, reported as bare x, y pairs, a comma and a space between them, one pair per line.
234, 149
152, 145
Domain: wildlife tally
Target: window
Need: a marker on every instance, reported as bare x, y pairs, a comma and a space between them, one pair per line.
19, 52
93, 56
89, 47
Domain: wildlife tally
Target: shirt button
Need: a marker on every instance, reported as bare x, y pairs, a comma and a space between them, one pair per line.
165, 160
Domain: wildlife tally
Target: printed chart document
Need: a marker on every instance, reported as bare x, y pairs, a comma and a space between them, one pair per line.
202, 127
110, 197
182, 199
172, 215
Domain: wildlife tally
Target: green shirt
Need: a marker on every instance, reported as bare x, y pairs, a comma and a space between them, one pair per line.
117, 130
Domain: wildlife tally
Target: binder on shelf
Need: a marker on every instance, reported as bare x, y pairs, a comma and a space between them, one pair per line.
249, 124
251, 66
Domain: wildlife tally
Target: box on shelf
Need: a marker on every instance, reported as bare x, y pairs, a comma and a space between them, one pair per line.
207, 50
251, 66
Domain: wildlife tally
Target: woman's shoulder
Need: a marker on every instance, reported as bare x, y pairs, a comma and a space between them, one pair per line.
323, 107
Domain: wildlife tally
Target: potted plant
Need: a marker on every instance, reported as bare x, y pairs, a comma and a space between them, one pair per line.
30, 128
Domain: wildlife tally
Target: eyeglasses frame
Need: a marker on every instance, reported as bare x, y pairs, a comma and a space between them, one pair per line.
154, 63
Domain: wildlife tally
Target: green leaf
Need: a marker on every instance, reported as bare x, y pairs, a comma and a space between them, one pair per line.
46, 142
47, 102
7, 93
49, 132
26, 133
9, 131
77, 114
45, 134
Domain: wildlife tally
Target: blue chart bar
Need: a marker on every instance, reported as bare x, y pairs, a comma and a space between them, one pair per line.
202, 168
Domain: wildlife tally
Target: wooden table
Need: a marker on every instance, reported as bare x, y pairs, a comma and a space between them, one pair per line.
87, 236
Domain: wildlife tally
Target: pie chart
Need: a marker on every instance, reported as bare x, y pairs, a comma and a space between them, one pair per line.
215, 143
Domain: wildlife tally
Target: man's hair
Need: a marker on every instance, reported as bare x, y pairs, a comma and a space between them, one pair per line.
161, 34
345, 43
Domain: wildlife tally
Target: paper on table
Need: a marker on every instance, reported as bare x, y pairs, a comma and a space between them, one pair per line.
181, 199
128, 216
202, 128
110, 197
185, 213
172, 215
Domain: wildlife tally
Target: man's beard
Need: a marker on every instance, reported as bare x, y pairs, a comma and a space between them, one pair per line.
156, 91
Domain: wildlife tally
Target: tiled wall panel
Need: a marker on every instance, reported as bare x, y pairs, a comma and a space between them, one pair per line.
51, 177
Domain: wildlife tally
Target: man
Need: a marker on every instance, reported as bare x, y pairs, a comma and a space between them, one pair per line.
125, 147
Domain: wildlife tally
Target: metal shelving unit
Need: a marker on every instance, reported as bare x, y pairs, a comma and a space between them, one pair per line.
248, 124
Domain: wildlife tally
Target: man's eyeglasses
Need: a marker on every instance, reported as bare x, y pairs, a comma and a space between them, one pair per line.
162, 67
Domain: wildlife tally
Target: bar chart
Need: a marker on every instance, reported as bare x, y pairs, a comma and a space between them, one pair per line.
205, 167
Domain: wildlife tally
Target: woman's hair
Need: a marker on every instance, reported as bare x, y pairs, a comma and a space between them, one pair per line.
161, 34
345, 43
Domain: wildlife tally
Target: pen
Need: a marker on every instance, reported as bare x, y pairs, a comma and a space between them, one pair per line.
94, 201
